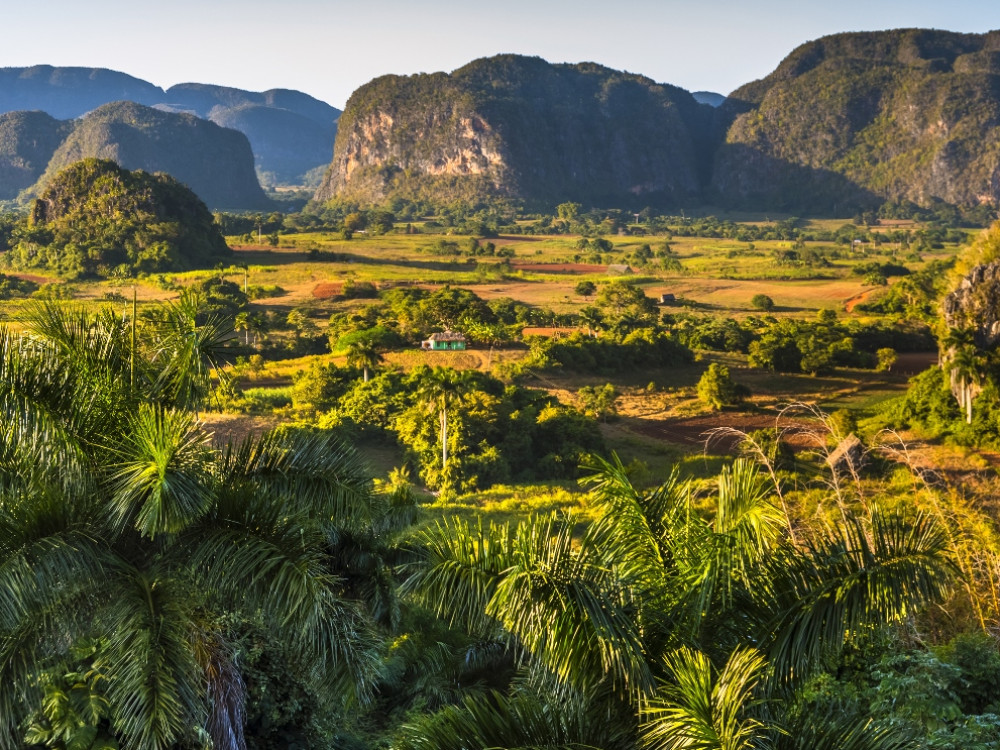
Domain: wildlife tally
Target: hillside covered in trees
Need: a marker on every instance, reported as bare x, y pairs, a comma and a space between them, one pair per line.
216, 163
524, 128
858, 119
845, 123
96, 219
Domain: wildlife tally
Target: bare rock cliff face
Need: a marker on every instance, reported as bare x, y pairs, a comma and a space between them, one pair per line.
443, 150
975, 305
522, 128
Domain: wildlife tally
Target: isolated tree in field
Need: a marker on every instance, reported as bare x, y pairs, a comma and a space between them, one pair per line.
598, 401
886, 357
716, 387
762, 302
585, 288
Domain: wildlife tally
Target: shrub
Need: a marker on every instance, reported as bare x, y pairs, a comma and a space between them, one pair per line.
717, 389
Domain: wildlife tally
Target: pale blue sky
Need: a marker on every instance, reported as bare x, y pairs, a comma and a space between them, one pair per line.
329, 48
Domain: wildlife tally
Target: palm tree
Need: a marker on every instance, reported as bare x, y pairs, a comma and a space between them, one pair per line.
440, 389
242, 323
364, 353
966, 366
592, 317
652, 575
130, 548
187, 349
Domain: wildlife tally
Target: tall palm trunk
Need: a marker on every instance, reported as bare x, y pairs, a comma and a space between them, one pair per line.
444, 437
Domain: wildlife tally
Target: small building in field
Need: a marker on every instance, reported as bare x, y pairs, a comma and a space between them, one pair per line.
667, 298
444, 341
619, 269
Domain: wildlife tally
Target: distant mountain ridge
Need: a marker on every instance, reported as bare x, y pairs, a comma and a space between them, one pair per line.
215, 162
291, 133
845, 123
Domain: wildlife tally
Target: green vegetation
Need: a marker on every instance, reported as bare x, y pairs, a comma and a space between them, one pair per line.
214, 162
96, 219
141, 565
599, 525
485, 111
717, 389
855, 88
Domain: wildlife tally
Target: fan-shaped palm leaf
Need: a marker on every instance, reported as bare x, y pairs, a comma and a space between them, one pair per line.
161, 482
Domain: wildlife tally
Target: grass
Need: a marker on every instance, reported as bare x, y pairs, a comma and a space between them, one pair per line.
510, 503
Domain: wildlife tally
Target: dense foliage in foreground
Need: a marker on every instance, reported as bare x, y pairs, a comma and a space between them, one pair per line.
138, 563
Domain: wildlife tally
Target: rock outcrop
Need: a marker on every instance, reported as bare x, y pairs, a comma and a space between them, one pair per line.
523, 128
975, 305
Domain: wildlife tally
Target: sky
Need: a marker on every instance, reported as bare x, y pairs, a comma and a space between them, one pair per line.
328, 48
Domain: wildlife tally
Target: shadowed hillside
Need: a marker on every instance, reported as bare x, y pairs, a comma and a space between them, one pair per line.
214, 162
856, 119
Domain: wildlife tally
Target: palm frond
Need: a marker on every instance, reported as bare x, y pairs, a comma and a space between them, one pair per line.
187, 348
636, 529
459, 571
569, 610
811, 730
850, 578
155, 685
518, 723
701, 710
312, 474
161, 481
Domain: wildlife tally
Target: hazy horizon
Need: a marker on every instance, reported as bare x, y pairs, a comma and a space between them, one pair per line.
328, 49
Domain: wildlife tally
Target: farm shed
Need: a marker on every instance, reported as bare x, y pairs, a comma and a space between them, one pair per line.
444, 341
